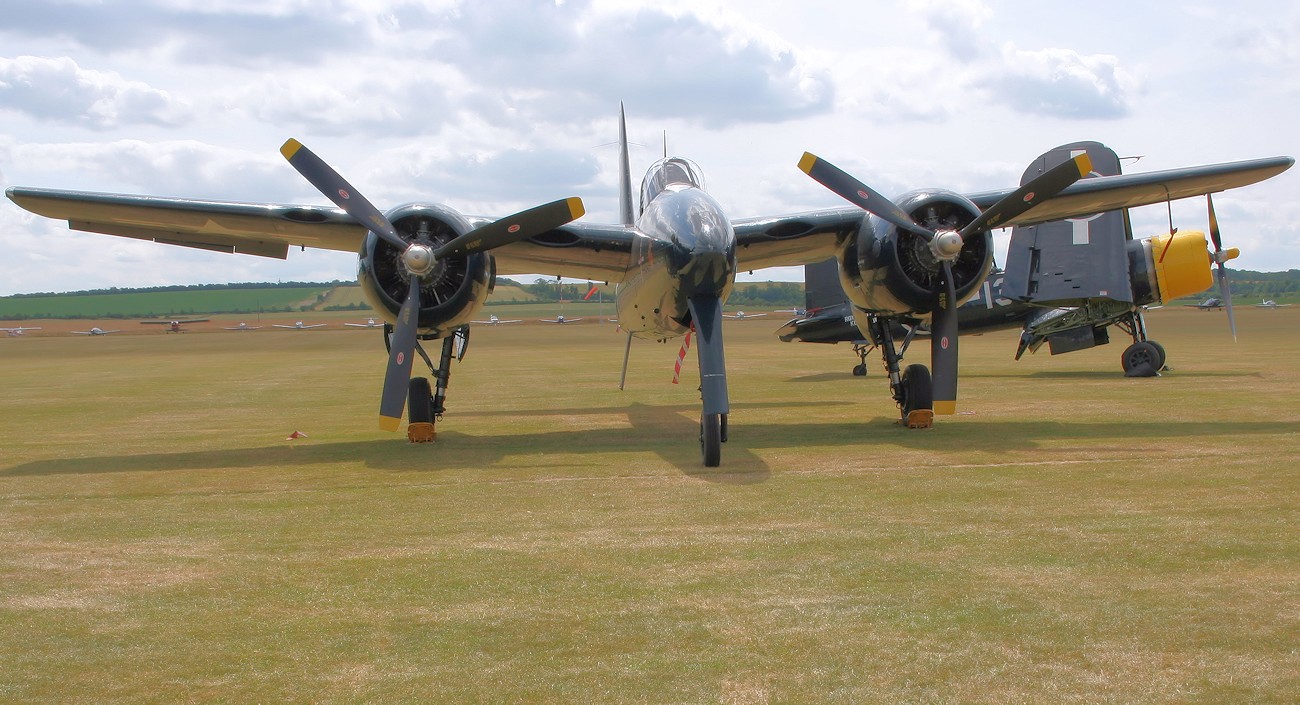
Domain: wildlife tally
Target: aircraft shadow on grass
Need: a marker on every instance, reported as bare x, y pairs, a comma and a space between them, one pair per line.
653, 430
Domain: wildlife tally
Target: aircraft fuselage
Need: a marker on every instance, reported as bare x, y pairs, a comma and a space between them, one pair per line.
685, 247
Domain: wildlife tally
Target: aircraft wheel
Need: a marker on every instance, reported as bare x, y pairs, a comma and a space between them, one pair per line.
419, 398
1142, 353
711, 439
1160, 352
918, 392
860, 370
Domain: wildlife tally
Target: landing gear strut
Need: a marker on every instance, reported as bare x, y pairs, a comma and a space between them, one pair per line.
1145, 357
861, 350
425, 405
912, 389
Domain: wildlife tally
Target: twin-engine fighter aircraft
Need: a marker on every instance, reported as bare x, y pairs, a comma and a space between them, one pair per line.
428, 269
174, 325
1066, 281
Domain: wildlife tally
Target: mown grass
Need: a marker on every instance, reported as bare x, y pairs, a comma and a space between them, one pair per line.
1075, 537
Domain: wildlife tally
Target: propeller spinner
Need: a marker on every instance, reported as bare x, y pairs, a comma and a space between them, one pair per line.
419, 259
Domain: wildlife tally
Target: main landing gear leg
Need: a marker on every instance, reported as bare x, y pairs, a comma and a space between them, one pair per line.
912, 389
1145, 357
425, 407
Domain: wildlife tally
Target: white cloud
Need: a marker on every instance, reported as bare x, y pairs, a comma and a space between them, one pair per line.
58, 89
1061, 83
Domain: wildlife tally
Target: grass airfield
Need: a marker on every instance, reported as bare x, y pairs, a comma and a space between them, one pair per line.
1072, 537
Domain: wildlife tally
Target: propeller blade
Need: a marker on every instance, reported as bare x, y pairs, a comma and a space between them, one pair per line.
1214, 226
339, 191
943, 344
398, 376
1225, 291
513, 228
858, 193
1041, 188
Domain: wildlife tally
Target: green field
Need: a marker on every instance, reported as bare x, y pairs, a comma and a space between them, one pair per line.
1073, 537
152, 304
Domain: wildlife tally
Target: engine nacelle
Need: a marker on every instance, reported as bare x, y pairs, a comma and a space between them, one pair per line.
1167, 267
892, 271
451, 294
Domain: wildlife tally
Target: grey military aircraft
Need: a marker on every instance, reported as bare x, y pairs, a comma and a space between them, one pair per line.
1069, 316
427, 268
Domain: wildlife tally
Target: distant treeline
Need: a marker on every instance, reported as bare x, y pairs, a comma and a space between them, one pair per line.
1249, 286
188, 287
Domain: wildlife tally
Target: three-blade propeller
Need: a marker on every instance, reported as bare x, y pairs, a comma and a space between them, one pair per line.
419, 258
946, 246
1220, 257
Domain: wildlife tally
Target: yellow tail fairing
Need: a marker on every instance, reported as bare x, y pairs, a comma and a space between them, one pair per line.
1182, 264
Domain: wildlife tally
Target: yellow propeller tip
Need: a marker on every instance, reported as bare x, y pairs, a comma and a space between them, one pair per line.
388, 423
290, 148
1231, 253
947, 408
806, 162
576, 208
1084, 162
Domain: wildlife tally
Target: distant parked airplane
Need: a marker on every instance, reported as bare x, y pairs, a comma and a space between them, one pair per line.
1269, 303
494, 321
174, 325
94, 331
243, 326
15, 332
1208, 304
370, 323
559, 319
741, 315
299, 325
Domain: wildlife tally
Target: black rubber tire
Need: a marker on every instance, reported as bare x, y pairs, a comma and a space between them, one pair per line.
419, 401
1160, 350
860, 370
1141, 353
711, 439
918, 390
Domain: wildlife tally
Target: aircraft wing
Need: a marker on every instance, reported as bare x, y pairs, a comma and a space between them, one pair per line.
1106, 193
260, 229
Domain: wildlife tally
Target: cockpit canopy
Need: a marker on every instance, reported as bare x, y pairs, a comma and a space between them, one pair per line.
673, 170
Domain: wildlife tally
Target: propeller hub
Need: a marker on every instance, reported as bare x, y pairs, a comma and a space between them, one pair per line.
946, 245
418, 259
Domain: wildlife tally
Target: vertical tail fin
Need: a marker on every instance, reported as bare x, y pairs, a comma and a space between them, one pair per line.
624, 171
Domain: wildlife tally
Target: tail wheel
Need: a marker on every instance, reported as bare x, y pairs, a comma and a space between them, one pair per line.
711, 439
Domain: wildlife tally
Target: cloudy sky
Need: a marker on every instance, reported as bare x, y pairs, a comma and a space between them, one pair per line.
492, 107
